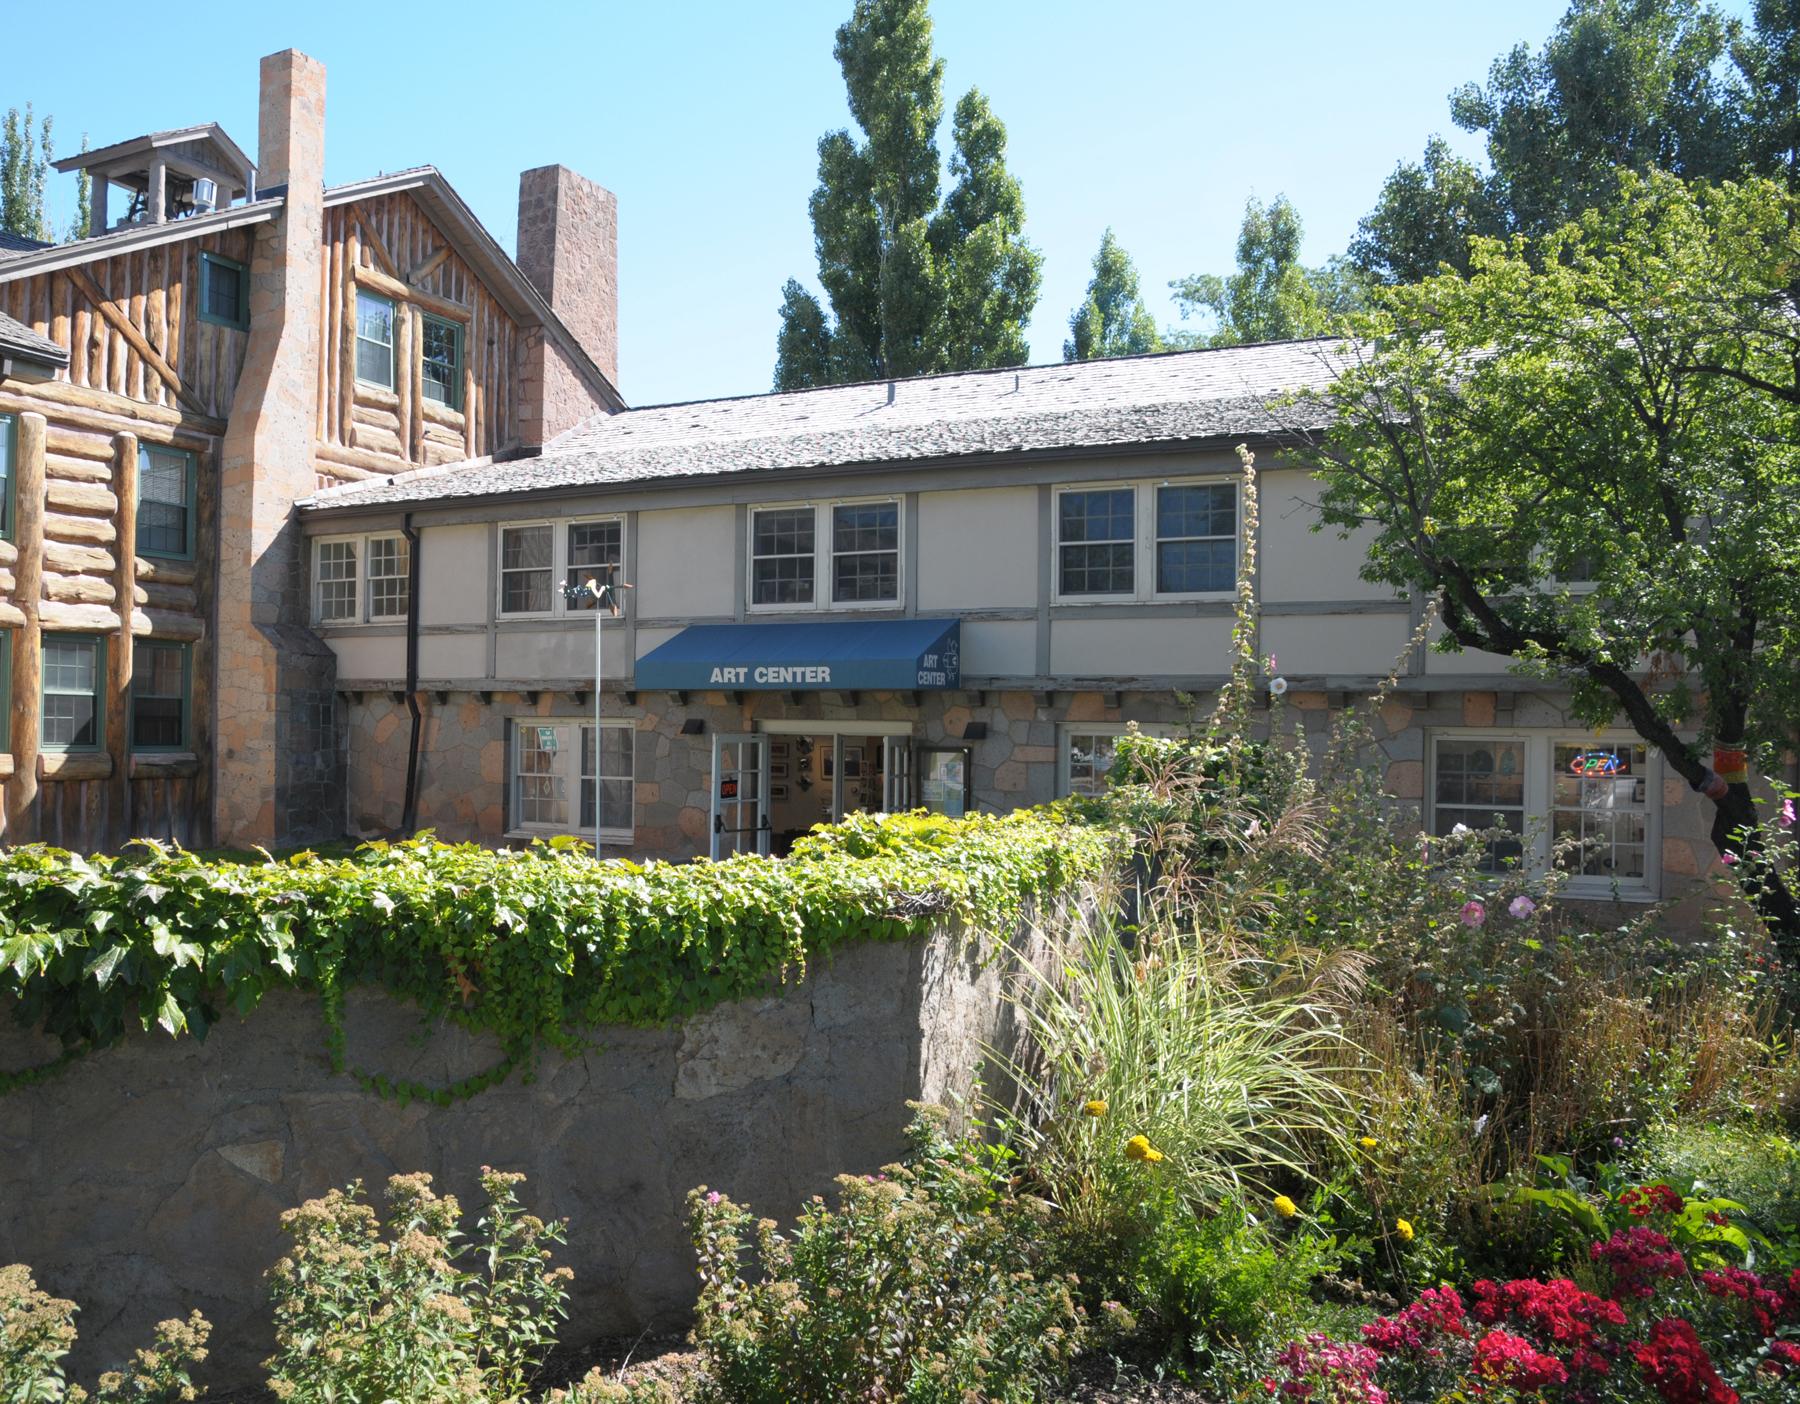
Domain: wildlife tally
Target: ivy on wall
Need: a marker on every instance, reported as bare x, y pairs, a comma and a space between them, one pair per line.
535, 946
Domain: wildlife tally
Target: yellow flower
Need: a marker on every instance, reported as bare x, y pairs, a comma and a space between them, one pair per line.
1139, 1148
1285, 1206
1368, 1143
1097, 1107
1404, 1229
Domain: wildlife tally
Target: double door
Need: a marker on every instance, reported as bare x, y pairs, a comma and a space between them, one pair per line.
851, 773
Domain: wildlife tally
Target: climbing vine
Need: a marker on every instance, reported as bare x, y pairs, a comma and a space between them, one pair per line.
536, 946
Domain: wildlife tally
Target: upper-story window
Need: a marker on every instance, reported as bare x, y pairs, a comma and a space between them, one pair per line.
441, 361
165, 510
9, 437
224, 291
361, 579
535, 557
1146, 541
374, 339
861, 543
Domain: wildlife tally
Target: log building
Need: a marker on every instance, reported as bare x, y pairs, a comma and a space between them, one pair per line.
232, 337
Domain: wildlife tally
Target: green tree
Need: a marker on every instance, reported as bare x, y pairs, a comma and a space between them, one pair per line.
25, 155
1621, 86
1618, 402
1112, 319
1768, 62
84, 200
1272, 296
914, 285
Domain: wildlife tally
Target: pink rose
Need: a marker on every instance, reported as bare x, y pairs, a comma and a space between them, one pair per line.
1473, 914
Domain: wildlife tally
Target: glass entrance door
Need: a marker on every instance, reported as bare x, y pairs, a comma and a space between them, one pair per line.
901, 793
740, 788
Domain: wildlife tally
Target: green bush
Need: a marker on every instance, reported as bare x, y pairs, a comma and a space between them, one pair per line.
37, 1331
928, 1283
535, 945
414, 1314
1759, 1169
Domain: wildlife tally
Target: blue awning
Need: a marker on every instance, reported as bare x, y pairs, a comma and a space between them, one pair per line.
875, 655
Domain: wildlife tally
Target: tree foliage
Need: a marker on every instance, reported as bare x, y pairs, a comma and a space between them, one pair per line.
1617, 402
1621, 86
1112, 319
25, 154
915, 284
1272, 296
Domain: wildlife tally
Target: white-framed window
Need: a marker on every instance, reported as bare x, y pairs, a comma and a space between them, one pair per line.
1145, 541
825, 555
361, 579
537, 557
559, 774
1591, 796
375, 339
1087, 752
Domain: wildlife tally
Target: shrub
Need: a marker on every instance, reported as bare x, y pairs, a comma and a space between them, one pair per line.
928, 1282
37, 1331
1757, 1168
413, 1314
535, 945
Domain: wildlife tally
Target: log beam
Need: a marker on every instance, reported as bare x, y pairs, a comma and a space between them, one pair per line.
405, 292
119, 657
133, 338
27, 655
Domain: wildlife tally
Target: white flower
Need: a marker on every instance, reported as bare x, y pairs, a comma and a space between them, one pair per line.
1277, 686
1458, 829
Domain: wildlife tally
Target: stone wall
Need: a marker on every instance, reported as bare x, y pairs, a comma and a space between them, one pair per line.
149, 1178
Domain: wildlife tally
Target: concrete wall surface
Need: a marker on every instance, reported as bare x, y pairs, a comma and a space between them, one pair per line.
150, 1178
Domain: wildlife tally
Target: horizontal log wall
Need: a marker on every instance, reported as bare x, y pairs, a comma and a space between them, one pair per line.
390, 246
71, 568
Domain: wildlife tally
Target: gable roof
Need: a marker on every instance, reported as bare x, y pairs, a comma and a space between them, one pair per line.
210, 132
503, 277
1182, 398
18, 341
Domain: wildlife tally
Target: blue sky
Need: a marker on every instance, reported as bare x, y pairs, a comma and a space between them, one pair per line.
1154, 116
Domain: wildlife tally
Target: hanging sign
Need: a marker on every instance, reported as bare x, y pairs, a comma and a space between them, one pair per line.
728, 789
547, 739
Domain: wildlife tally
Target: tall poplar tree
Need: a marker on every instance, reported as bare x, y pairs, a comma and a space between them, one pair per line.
25, 155
1112, 319
915, 284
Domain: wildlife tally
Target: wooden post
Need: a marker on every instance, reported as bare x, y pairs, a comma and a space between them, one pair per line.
119, 655
159, 190
28, 652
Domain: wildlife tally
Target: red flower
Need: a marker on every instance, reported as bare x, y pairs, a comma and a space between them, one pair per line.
1437, 1312
1557, 1314
1764, 1302
1676, 1365
1637, 1257
1645, 1200
1503, 1358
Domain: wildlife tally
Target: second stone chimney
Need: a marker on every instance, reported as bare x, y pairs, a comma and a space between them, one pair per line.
569, 249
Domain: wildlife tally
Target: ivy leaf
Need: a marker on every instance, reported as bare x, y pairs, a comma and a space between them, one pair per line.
169, 1015
103, 965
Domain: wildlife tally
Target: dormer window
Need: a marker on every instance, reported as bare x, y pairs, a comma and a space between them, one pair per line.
224, 291
375, 339
441, 373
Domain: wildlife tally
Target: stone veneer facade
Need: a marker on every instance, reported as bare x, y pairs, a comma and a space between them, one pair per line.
464, 764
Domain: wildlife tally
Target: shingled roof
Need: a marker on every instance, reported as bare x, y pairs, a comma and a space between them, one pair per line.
17, 339
1171, 398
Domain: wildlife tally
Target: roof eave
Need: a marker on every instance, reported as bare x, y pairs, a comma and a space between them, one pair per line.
314, 509
141, 236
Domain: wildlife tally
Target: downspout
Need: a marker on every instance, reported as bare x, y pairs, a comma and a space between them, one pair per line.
409, 811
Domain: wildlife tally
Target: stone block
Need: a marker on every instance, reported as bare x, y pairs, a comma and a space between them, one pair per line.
1678, 858
1396, 714
1010, 777
1406, 780
1478, 708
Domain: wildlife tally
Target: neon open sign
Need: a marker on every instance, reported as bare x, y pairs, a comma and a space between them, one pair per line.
1599, 763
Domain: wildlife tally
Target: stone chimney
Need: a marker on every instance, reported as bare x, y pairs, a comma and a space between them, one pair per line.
569, 249
279, 776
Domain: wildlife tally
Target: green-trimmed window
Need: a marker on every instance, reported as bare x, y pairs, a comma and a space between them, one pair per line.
9, 441
74, 672
441, 362
165, 520
375, 339
160, 691
224, 291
